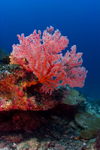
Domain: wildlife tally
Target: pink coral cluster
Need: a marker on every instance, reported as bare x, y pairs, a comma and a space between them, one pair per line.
45, 60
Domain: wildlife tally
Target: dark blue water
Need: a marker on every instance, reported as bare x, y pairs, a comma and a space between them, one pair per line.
78, 19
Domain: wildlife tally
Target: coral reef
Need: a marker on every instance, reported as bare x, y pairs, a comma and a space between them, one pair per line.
20, 121
6, 60
36, 70
45, 60
73, 98
90, 124
3, 53
15, 92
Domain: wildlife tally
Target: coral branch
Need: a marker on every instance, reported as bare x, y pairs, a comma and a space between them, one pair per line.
45, 60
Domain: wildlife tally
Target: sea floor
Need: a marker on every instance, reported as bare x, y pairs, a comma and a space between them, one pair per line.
58, 133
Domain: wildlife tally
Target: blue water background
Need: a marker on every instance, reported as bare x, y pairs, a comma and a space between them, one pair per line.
78, 19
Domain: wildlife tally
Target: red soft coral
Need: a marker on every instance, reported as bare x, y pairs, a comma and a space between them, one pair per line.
46, 61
